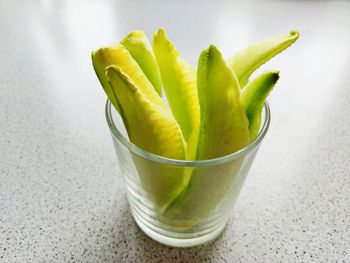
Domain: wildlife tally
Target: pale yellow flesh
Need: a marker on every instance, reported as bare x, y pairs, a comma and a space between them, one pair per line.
160, 135
117, 55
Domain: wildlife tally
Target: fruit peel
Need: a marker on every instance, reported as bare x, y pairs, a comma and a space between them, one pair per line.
180, 85
223, 130
160, 135
140, 49
246, 61
254, 95
223, 123
116, 54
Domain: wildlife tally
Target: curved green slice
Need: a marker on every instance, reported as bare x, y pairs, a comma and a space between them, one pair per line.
140, 49
223, 130
246, 61
223, 122
155, 130
180, 85
254, 96
207, 189
116, 54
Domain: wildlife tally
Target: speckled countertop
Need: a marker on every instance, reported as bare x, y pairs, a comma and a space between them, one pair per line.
61, 194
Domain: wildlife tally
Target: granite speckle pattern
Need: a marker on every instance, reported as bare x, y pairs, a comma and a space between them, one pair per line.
61, 194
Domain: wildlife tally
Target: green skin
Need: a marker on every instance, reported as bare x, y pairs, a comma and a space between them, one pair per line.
246, 61
223, 130
223, 123
254, 95
180, 85
140, 49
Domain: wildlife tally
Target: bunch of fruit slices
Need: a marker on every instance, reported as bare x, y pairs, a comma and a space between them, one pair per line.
213, 112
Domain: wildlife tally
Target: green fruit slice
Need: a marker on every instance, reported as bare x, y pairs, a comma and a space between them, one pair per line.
140, 49
209, 189
116, 54
254, 96
223, 130
154, 129
246, 61
180, 85
223, 122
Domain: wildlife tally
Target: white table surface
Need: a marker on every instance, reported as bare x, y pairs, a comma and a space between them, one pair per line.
61, 194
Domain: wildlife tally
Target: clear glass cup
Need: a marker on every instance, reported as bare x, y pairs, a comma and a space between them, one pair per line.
176, 202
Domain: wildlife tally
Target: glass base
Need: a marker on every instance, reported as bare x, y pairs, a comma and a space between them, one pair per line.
178, 239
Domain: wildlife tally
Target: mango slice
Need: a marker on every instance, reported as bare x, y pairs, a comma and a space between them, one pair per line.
116, 54
223, 130
100, 62
223, 122
180, 85
246, 61
154, 129
209, 187
140, 49
254, 96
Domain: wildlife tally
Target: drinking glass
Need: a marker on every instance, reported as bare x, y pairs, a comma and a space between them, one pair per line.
177, 202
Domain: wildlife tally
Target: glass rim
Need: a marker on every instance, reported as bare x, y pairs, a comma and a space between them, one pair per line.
186, 163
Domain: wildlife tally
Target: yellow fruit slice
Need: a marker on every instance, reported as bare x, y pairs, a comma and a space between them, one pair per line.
116, 54
153, 128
